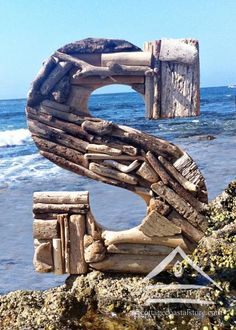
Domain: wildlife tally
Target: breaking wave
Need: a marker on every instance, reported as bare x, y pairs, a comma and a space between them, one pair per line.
14, 137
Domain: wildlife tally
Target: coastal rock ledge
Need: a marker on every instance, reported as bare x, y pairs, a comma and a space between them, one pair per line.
113, 301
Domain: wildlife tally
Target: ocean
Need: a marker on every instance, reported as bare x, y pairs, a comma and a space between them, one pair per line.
23, 171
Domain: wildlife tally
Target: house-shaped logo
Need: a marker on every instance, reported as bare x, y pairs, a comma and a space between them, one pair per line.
178, 271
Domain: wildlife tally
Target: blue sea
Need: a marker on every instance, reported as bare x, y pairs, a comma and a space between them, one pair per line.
23, 171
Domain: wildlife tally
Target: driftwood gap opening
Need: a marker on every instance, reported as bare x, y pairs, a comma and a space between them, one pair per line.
68, 239
117, 105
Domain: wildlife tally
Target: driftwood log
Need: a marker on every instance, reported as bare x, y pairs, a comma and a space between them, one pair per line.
67, 237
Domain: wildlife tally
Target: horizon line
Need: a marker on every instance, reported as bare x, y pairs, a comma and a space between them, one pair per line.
128, 92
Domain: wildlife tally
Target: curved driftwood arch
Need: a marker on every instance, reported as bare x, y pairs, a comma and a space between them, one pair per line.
68, 239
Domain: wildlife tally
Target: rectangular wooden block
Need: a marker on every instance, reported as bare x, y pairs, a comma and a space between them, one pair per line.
45, 229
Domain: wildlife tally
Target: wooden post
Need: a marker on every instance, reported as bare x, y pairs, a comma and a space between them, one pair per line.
154, 48
149, 95
67, 245
77, 232
179, 80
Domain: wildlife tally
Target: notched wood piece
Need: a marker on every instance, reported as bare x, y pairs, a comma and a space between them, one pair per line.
156, 225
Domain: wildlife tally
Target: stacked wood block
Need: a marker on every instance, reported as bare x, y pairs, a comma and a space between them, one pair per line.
166, 177
59, 228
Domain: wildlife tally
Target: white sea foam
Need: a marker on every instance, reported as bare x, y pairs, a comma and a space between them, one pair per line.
14, 137
25, 168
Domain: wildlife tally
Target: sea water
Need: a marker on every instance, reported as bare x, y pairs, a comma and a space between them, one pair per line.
23, 171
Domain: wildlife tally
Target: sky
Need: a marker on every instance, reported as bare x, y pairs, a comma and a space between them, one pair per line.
31, 30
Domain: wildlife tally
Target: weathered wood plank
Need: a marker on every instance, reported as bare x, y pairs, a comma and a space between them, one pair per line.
173, 183
177, 175
135, 264
56, 74
58, 150
192, 232
77, 232
179, 90
180, 205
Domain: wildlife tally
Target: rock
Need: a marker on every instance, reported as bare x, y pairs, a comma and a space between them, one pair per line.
99, 45
207, 137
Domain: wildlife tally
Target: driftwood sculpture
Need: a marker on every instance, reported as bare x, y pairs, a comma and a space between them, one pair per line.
67, 237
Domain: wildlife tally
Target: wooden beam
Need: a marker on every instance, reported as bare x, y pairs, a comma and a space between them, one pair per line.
136, 236
61, 197
127, 58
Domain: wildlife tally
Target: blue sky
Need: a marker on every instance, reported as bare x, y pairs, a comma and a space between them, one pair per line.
31, 30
